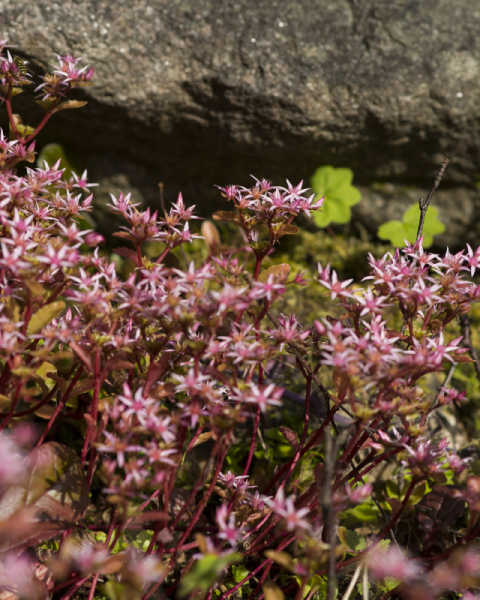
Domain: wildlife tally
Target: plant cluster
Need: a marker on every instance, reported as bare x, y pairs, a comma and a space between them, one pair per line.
113, 388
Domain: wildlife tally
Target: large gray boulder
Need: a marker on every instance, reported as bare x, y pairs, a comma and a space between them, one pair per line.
201, 93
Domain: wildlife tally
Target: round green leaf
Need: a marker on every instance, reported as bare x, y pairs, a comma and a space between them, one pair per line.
336, 186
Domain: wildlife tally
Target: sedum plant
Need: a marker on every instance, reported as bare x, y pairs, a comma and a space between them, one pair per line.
113, 389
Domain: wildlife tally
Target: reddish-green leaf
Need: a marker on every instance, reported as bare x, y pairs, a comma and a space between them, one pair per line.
226, 215
127, 253
44, 315
48, 498
69, 104
279, 273
290, 436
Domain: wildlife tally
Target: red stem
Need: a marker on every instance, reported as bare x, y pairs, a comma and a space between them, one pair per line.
253, 442
315, 440
60, 405
42, 123
281, 546
200, 508
296, 458
13, 405
8, 104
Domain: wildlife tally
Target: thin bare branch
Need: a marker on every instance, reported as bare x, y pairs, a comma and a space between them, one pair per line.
424, 204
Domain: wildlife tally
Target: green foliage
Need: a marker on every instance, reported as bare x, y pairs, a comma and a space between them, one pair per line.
363, 513
205, 572
50, 154
351, 539
316, 587
239, 572
336, 186
143, 540
406, 229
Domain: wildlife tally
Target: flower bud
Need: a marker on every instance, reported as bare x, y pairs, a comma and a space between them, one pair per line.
94, 239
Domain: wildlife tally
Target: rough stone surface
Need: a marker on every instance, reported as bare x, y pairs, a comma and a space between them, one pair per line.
201, 93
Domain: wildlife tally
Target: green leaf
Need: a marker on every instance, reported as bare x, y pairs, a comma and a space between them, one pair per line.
239, 572
417, 494
50, 154
319, 586
69, 104
336, 186
45, 500
389, 583
44, 315
143, 539
406, 229
363, 512
206, 571
352, 539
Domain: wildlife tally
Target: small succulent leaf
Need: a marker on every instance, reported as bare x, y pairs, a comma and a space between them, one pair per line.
287, 230
44, 315
363, 512
46, 373
16, 91
341, 382
112, 564
12, 309
227, 216
211, 236
127, 253
290, 436
272, 591
82, 354
281, 558
203, 437
69, 104
418, 493
46, 104
83, 386
125, 235
278, 272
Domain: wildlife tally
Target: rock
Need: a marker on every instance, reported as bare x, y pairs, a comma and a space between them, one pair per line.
196, 94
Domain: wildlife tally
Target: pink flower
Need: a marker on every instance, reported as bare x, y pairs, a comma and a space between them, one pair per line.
115, 445
285, 508
228, 528
391, 562
262, 396
12, 463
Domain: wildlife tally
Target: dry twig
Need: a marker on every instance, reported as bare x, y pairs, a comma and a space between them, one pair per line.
423, 204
